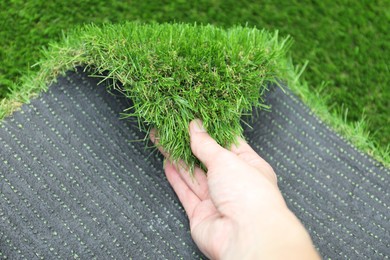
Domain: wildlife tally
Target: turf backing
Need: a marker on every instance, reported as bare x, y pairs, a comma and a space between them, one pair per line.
74, 185
346, 43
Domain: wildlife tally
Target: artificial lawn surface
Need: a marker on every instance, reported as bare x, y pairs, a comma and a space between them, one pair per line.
346, 43
174, 73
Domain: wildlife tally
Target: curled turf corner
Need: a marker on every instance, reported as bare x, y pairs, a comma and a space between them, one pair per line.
173, 73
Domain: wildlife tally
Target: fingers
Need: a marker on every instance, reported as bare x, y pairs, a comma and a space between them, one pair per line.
197, 181
186, 196
154, 138
212, 155
205, 148
202, 214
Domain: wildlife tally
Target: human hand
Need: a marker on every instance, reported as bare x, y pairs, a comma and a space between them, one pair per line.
236, 211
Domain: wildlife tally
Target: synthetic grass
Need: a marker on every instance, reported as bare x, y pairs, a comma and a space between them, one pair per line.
346, 43
175, 73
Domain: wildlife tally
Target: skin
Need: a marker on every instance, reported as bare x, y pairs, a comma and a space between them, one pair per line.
236, 210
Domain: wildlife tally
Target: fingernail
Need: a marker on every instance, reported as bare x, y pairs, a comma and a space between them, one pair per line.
197, 126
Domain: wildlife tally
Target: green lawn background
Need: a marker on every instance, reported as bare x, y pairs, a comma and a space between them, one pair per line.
346, 42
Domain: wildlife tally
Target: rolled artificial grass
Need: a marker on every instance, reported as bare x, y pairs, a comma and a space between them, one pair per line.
346, 44
174, 73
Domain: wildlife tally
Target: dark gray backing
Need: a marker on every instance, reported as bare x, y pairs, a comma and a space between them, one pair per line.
74, 184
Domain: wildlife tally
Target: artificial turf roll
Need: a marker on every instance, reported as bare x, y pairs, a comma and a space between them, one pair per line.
174, 73
74, 184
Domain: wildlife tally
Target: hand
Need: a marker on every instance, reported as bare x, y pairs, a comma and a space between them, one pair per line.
236, 211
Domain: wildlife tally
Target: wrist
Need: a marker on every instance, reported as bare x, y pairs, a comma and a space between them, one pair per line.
279, 235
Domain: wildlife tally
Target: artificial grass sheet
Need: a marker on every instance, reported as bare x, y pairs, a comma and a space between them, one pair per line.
346, 43
177, 72
174, 73
95, 188
74, 185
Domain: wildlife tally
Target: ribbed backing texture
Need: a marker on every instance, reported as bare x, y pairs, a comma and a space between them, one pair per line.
74, 182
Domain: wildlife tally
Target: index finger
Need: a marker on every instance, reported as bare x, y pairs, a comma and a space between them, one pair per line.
205, 148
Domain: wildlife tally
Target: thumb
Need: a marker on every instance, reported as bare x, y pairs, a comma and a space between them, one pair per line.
205, 148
